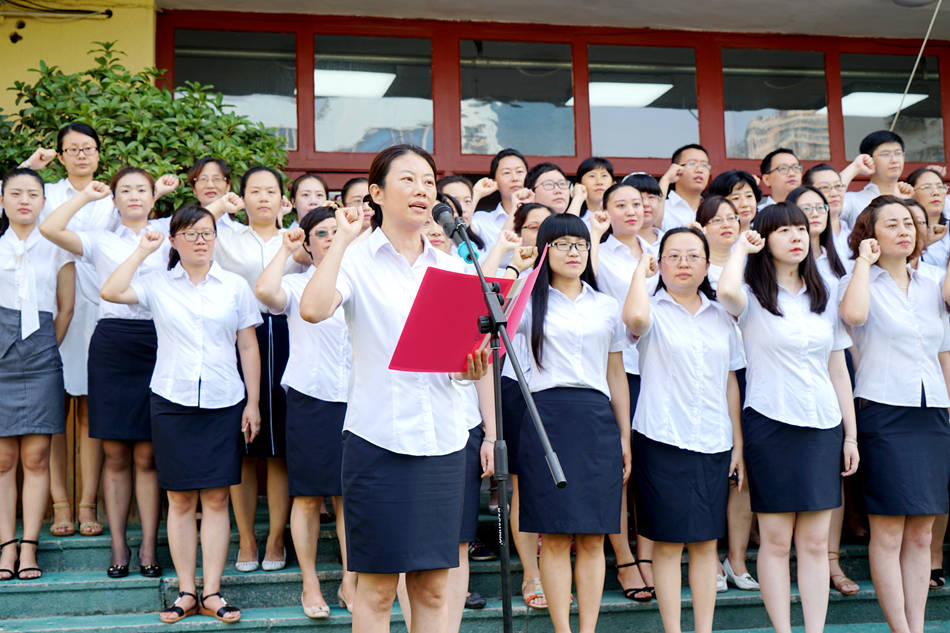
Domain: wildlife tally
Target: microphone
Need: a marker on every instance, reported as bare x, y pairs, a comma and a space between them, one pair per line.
443, 214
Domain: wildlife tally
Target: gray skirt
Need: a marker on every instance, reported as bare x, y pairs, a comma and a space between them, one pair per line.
31, 378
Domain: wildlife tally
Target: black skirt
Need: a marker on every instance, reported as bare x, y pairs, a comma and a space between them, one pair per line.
403, 512
791, 468
512, 412
314, 445
584, 434
905, 458
681, 495
196, 448
31, 378
473, 484
273, 341
121, 361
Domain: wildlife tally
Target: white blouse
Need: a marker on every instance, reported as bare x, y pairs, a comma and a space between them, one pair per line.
239, 249
685, 360
106, 250
488, 224
615, 268
197, 328
28, 272
676, 212
319, 363
787, 375
899, 342
411, 413
578, 336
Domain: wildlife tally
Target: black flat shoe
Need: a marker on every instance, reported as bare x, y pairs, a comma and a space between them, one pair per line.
151, 571
119, 570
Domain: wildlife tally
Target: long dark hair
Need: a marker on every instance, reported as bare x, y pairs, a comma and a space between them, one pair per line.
185, 217
760, 269
827, 237
13, 173
555, 226
380, 169
705, 287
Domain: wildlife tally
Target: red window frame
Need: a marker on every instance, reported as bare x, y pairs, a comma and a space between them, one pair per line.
446, 85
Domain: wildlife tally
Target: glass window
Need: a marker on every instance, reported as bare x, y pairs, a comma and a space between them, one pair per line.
774, 99
256, 72
371, 92
516, 94
642, 100
871, 88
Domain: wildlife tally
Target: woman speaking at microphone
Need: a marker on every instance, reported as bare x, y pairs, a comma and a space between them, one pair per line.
403, 439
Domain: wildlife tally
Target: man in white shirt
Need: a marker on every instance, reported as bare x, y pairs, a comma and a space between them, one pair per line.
508, 170
781, 173
881, 158
690, 180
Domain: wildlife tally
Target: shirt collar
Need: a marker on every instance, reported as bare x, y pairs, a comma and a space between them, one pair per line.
215, 272
585, 291
663, 296
378, 240
10, 236
872, 188
613, 244
877, 272
676, 198
124, 231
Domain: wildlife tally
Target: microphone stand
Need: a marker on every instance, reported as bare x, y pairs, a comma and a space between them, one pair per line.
495, 324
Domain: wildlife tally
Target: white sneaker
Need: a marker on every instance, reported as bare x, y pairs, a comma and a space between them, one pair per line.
745, 582
721, 585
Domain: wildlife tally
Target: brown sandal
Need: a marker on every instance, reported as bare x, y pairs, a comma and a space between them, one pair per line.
90, 528
62, 528
840, 581
175, 613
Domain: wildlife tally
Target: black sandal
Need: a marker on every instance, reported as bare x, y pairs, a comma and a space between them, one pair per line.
937, 576
20, 571
223, 611
631, 593
177, 613
649, 588
7, 571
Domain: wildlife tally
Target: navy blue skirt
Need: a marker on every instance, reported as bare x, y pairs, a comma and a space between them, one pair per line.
196, 448
273, 341
905, 458
121, 361
791, 468
681, 495
314, 446
633, 386
403, 512
583, 431
473, 484
512, 414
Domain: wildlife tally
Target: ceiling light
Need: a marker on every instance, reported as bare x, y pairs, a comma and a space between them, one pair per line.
351, 83
623, 95
875, 104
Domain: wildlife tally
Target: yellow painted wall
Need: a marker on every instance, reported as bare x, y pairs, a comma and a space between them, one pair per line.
64, 43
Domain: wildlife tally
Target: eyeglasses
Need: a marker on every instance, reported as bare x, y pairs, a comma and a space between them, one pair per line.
690, 258
210, 180
325, 233
891, 153
580, 247
192, 236
930, 188
785, 169
717, 221
826, 189
809, 209
551, 185
76, 151
693, 164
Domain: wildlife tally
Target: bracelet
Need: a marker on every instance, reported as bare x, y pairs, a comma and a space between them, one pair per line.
489, 440
510, 267
851, 440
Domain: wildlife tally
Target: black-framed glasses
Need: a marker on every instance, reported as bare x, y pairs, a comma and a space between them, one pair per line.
76, 151
785, 169
192, 236
564, 247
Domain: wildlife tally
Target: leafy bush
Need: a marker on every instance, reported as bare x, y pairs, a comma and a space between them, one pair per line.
139, 123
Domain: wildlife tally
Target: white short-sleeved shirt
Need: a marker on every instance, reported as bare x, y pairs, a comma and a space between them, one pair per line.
239, 249
842, 247
106, 250
787, 375
197, 328
938, 252
857, 201
654, 247
615, 268
713, 275
828, 275
677, 212
685, 360
473, 415
768, 200
930, 271
900, 341
578, 336
28, 267
319, 363
488, 224
411, 413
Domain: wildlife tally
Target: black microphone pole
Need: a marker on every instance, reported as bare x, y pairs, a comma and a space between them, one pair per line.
494, 324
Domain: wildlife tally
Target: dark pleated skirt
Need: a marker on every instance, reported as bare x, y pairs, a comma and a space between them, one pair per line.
584, 434
473, 484
273, 341
905, 458
31, 378
791, 468
314, 445
196, 448
681, 495
403, 512
121, 361
512, 414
